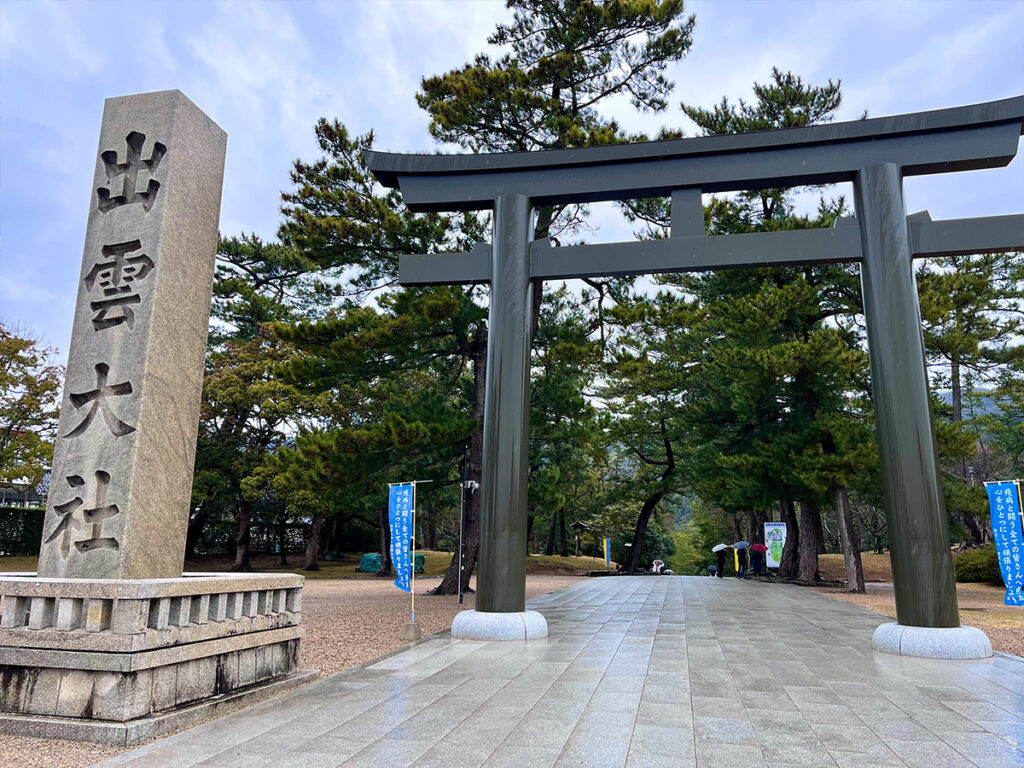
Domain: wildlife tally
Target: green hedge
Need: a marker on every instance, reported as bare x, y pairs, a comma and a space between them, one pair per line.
21, 530
980, 564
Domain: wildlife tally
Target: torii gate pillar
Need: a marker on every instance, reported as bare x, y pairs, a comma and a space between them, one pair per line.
922, 565
501, 580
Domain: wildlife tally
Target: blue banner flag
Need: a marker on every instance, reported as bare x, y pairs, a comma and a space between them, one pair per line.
607, 553
1008, 528
400, 519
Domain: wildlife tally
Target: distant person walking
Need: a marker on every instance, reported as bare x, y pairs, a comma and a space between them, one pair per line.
742, 555
756, 561
721, 562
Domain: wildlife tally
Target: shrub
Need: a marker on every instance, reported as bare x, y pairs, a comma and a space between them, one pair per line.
980, 564
20, 531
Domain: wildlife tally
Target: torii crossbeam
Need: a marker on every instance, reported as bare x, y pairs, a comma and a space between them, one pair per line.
873, 154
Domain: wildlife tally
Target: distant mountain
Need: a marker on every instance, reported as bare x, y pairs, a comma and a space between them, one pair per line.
986, 406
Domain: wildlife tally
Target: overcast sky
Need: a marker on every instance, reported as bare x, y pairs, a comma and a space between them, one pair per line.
266, 71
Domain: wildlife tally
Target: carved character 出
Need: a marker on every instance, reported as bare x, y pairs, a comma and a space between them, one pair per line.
130, 171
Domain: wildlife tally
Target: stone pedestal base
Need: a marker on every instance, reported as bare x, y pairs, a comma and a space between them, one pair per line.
479, 625
120, 660
411, 631
932, 642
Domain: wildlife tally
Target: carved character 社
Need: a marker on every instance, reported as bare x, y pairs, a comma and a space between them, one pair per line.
91, 518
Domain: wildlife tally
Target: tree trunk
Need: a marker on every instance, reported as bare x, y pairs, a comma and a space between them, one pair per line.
563, 544
632, 560
975, 532
957, 391
812, 541
850, 540
194, 533
385, 543
788, 564
975, 536
244, 541
757, 521
549, 544
430, 536
877, 529
282, 539
450, 583
312, 561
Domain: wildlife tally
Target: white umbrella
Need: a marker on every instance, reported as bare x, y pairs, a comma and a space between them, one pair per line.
720, 547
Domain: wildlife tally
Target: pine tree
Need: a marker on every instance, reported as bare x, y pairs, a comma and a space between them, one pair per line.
777, 357
970, 307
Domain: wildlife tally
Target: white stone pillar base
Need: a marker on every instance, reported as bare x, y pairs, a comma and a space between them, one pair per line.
480, 625
932, 642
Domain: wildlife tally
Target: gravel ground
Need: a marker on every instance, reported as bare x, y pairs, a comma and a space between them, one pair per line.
347, 622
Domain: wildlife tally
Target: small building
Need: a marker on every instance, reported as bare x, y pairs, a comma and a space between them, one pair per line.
25, 495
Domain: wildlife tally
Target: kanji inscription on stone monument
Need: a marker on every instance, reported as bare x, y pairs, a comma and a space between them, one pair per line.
125, 451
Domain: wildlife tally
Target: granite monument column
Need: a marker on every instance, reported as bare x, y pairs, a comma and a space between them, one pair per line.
125, 450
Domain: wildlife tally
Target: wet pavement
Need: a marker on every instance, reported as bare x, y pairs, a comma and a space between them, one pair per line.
637, 671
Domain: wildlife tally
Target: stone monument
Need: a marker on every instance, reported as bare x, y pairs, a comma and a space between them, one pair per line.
110, 642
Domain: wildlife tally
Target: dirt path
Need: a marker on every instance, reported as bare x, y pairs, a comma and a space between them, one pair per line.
347, 622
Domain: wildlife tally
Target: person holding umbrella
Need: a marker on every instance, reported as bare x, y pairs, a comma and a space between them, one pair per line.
741, 557
719, 550
757, 557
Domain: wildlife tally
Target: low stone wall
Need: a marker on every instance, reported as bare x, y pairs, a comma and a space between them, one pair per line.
129, 656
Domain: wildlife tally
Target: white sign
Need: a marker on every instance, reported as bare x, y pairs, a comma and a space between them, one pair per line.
775, 540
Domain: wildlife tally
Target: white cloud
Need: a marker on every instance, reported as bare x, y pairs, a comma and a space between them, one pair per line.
267, 70
33, 31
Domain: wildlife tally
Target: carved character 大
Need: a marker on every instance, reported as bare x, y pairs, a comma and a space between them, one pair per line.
98, 398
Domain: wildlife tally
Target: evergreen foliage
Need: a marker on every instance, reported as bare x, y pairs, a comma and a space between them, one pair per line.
29, 396
669, 419
979, 565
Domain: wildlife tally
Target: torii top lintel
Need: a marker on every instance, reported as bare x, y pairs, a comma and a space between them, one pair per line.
941, 141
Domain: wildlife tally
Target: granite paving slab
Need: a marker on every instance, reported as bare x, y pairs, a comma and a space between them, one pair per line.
638, 671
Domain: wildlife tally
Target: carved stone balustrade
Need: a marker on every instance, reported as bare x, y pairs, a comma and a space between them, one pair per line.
119, 660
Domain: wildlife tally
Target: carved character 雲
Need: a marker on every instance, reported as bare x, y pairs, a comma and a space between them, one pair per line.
115, 278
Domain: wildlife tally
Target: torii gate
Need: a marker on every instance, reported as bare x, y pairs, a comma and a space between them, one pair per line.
873, 154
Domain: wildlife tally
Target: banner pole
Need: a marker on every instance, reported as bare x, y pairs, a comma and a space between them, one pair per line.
462, 515
413, 543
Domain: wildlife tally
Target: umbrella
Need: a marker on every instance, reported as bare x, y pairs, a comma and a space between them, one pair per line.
759, 547
741, 545
719, 547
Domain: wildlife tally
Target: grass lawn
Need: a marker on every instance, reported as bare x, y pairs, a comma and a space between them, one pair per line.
876, 567
15, 564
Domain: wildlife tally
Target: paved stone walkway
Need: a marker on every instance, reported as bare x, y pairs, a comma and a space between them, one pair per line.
638, 671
